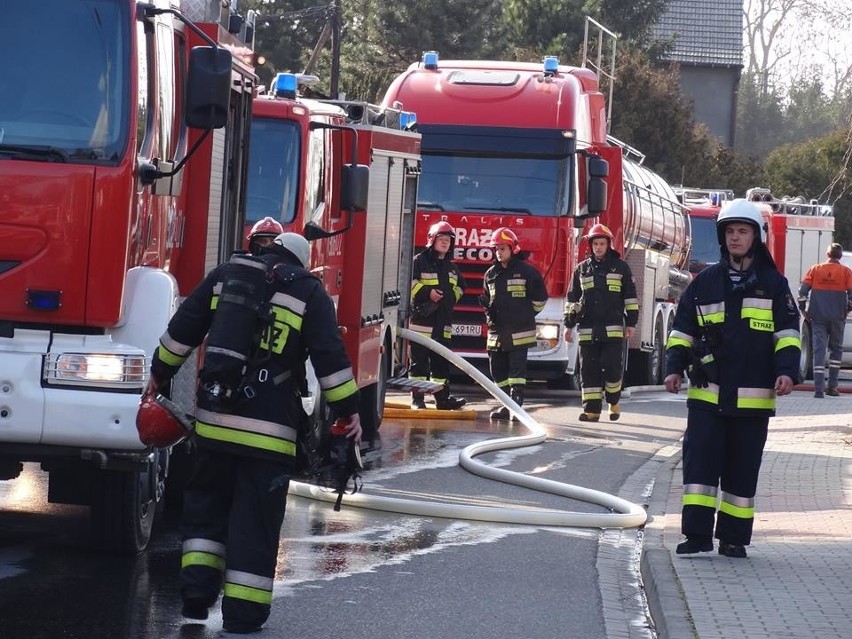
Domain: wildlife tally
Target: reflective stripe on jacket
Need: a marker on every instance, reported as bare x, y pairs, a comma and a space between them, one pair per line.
758, 341
512, 296
305, 324
607, 294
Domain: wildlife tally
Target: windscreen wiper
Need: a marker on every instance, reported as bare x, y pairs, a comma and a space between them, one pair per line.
35, 152
430, 205
501, 209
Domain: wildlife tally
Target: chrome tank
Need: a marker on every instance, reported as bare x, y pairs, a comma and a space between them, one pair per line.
653, 217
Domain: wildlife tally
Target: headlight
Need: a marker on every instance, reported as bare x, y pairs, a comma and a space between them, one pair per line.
97, 370
547, 331
547, 336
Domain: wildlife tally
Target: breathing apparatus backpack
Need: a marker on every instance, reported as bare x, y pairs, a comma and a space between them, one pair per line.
242, 315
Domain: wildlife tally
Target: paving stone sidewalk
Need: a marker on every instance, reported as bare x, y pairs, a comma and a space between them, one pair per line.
797, 580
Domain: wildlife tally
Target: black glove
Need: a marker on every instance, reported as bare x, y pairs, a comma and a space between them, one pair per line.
697, 377
570, 320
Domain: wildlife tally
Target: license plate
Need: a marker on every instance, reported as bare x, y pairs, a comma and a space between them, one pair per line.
467, 330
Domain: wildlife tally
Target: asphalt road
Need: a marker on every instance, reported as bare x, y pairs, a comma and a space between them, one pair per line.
367, 574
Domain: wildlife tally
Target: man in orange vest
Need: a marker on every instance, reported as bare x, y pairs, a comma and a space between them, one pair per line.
825, 297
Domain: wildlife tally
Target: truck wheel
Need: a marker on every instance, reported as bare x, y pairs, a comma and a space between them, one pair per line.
373, 399
123, 507
656, 356
806, 361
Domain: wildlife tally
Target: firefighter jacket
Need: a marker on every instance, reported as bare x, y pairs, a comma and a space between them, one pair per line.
434, 319
602, 299
266, 421
512, 296
735, 340
826, 291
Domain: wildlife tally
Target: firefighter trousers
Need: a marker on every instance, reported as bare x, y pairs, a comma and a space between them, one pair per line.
427, 364
721, 462
233, 511
601, 370
508, 368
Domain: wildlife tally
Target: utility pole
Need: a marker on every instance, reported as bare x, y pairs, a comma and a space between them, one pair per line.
334, 87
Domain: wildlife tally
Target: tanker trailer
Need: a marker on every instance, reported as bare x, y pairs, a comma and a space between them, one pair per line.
656, 239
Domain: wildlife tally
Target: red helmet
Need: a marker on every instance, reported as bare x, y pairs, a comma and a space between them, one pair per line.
267, 227
506, 236
439, 228
159, 422
599, 230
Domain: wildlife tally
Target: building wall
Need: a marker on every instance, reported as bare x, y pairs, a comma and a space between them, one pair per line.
713, 91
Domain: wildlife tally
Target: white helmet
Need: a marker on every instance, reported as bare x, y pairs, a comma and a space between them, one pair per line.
295, 244
739, 210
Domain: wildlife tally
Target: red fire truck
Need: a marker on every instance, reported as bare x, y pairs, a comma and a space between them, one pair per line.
103, 227
344, 174
525, 146
798, 234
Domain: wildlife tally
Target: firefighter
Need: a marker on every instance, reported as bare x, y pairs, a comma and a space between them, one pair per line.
825, 297
513, 294
736, 334
235, 499
262, 234
436, 286
602, 302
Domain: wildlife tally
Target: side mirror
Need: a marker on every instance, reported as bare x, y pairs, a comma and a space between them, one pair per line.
314, 231
596, 192
356, 183
598, 167
208, 88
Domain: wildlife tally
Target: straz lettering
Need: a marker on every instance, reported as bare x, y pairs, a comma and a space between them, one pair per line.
762, 325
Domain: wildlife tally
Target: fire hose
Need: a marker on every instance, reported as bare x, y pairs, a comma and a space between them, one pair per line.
624, 514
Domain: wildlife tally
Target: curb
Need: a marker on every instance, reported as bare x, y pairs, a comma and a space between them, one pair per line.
666, 599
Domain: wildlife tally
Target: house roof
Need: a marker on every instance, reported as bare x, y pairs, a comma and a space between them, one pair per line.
706, 32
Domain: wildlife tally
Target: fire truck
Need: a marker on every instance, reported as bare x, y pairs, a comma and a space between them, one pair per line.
345, 175
525, 146
120, 182
798, 234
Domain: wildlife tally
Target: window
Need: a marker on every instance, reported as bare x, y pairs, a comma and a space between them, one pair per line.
273, 170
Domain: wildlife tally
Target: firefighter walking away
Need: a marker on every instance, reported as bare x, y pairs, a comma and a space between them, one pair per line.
436, 286
736, 334
602, 303
262, 315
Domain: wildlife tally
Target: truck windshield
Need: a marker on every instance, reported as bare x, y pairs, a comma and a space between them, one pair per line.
704, 248
273, 170
64, 82
522, 185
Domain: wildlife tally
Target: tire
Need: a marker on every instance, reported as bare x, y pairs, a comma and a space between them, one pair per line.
806, 361
656, 366
373, 399
124, 504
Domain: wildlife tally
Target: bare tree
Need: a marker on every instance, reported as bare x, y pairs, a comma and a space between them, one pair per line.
796, 35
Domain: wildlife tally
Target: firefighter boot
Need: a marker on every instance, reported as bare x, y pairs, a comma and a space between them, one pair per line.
418, 401
445, 401
501, 413
589, 417
614, 412
517, 393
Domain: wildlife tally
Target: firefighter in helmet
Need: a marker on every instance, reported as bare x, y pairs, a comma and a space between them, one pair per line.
513, 294
602, 303
736, 334
436, 286
246, 432
262, 234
